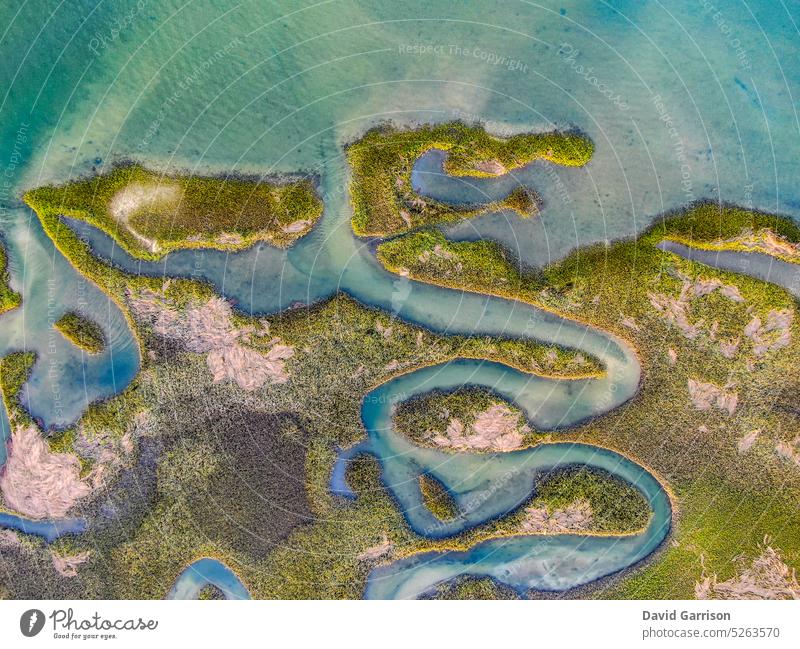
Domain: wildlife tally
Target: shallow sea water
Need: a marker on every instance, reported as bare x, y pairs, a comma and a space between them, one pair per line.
280, 87
682, 104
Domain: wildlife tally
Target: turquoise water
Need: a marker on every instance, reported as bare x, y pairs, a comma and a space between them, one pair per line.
682, 103
428, 178
755, 264
49, 530
280, 87
207, 572
487, 486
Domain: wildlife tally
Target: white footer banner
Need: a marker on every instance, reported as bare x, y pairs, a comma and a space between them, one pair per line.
386, 625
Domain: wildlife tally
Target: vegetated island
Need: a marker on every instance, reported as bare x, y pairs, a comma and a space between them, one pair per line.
730, 493
729, 473
150, 214
437, 498
15, 370
384, 202
568, 500
9, 299
82, 332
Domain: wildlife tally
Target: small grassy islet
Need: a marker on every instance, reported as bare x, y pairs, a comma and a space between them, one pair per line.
82, 332
437, 498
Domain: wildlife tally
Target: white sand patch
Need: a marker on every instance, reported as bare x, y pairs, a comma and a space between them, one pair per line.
573, 518
705, 395
208, 329
38, 483
137, 198
498, 428
768, 577
67, 565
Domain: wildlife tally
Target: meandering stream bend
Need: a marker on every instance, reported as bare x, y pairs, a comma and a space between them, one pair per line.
207, 572
331, 259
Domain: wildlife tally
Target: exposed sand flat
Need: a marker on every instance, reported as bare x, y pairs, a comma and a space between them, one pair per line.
208, 329
573, 518
137, 197
67, 565
705, 395
38, 483
497, 428
768, 577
